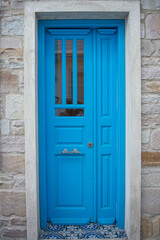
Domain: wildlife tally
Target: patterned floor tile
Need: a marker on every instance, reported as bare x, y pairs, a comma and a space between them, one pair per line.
89, 231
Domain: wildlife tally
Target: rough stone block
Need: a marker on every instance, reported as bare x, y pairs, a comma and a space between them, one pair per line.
156, 226
151, 98
19, 183
12, 26
15, 63
4, 126
147, 226
3, 222
153, 87
3, 64
159, 48
17, 4
9, 82
17, 127
21, 81
12, 144
5, 177
12, 163
153, 26
145, 135
2, 107
11, 52
150, 4
152, 120
151, 201
13, 203
6, 185
151, 176
4, 3
15, 233
11, 42
150, 61
14, 107
142, 30
151, 108
150, 158
147, 48
151, 72
155, 139
18, 221
144, 147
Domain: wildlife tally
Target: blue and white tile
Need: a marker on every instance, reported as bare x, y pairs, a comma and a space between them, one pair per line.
89, 231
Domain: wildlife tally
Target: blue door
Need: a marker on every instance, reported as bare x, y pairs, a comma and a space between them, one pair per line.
106, 127
82, 108
69, 121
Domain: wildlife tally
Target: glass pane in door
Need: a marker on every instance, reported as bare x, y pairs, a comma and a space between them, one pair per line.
69, 112
69, 72
58, 71
80, 72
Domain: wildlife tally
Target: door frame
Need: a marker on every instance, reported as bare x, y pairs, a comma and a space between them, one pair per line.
130, 11
113, 25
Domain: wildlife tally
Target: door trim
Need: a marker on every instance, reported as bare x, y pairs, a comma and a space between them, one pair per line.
130, 11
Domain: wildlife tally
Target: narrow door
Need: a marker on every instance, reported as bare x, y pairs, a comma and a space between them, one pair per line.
69, 122
107, 114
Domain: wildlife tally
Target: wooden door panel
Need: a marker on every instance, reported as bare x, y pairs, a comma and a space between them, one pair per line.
69, 126
106, 117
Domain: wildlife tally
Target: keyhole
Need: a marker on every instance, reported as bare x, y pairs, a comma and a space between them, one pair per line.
90, 144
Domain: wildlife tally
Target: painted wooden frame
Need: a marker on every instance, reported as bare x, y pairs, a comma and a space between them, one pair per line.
92, 24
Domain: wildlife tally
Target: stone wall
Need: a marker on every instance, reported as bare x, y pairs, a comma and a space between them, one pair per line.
150, 42
12, 161
12, 178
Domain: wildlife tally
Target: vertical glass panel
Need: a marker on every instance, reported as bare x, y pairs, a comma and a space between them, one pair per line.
80, 72
69, 72
58, 71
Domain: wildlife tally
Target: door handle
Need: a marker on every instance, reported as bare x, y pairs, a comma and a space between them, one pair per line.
72, 152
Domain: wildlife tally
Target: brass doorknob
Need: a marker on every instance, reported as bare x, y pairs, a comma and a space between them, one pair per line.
90, 144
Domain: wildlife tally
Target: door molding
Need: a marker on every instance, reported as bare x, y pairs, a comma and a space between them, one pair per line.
130, 11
